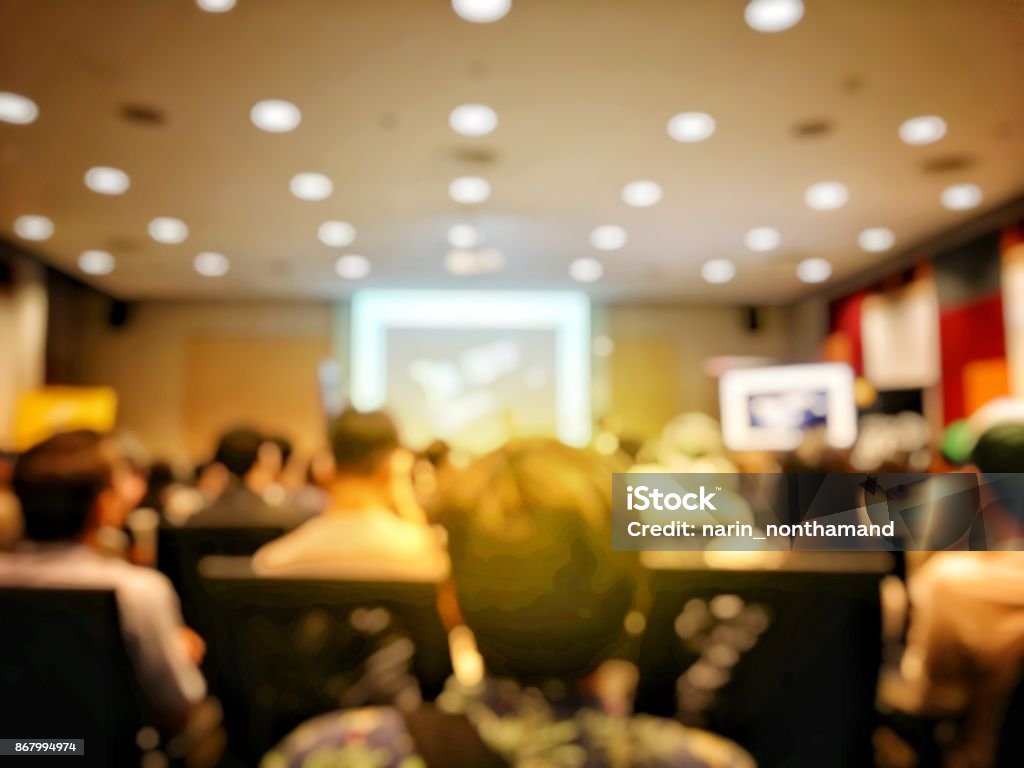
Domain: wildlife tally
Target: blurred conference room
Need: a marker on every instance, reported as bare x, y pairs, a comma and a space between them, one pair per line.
331, 334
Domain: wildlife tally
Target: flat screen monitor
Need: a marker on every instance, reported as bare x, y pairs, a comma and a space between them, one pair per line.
771, 409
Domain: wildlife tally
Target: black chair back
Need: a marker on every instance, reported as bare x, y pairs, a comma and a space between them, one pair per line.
65, 673
1010, 751
284, 650
784, 663
179, 551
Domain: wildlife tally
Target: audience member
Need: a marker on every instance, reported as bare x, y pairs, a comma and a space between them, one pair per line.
252, 462
67, 489
965, 645
372, 528
546, 598
313, 497
278, 452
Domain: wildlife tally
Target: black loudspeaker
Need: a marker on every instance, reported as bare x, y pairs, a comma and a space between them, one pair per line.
753, 318
120, 313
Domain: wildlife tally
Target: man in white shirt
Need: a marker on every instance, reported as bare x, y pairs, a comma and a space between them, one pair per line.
372, 529
67, 487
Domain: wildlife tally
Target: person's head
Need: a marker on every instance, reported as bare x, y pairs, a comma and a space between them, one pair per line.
320, 470
134, 481
363, 445
430, 466
529, 531
238, 451
284, 448
689, 436
66, 486
1000, 449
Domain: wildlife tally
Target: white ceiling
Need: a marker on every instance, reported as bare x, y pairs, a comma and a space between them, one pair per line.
583, 89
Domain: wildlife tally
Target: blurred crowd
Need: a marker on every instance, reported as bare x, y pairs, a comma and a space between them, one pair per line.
519, 544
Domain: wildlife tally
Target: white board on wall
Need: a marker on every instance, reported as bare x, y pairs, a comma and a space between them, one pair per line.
900, 335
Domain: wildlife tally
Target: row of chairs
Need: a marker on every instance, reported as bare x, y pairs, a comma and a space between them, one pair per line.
785, 663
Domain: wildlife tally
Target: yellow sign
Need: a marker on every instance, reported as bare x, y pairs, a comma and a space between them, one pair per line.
44, 412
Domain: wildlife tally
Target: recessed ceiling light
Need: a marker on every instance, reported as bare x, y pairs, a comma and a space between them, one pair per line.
211, 264
689, 127
473, 120
96, 263
463, 236
469, 190
718, 271
17, 109
311, 186
586, 270
922, 130
166, 229
216, 6
107, 181
482, 11
814, 270
876, 239
608, 238
641, 194
961, 197
336, 234
773, 15
275, 116
763, 239
826, 195
33, 228
352, 266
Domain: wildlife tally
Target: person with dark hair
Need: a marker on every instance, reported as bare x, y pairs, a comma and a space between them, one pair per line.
284, 448
965, 644
372, 528
66, 486
546, 599
252, 462
429, 469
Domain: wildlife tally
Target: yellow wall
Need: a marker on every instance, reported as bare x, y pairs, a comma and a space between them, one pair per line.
184, 370
657, 368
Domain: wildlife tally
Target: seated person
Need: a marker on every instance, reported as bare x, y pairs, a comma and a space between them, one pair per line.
251, 462
538, 586
67, 487
965, 645
372, 529
312, 496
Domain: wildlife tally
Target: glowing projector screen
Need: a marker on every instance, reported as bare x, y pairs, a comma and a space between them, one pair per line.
474, 367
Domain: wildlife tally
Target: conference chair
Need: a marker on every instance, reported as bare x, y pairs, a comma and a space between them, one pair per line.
783, 660
282, 650
65, 673
179, 551
1010, 751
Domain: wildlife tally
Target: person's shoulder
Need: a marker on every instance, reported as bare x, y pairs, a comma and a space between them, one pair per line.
374, 737
143, 586
662, 743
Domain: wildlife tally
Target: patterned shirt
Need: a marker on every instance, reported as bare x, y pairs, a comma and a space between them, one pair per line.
522, 725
